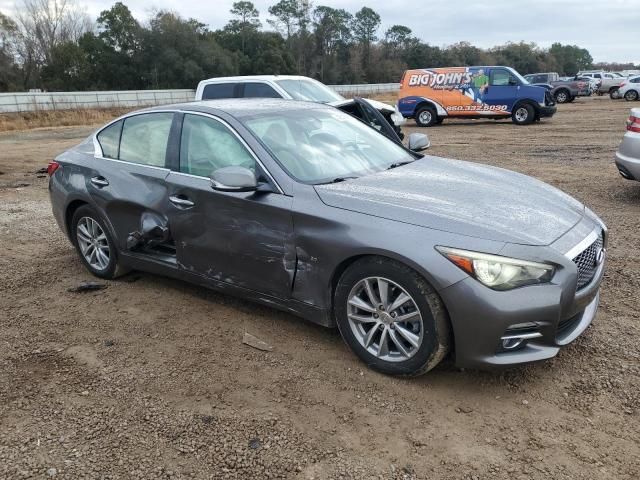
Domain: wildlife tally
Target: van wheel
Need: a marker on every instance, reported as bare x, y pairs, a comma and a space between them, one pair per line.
426, 116
523, 115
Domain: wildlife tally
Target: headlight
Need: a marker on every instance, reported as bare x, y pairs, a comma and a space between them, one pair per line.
496, 272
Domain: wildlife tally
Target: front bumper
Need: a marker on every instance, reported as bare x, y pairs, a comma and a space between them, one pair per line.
549, 316
547, 111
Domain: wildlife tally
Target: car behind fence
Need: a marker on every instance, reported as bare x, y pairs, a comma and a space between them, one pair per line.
36, 101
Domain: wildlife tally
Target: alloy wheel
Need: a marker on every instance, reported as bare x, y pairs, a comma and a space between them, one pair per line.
385, 319
93, 243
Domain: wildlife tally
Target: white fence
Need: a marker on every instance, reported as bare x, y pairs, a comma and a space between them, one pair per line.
30, 102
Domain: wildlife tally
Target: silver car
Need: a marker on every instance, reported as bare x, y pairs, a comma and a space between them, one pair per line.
628, 154
302, 207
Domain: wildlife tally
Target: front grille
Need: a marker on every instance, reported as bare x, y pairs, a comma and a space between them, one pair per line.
586, 261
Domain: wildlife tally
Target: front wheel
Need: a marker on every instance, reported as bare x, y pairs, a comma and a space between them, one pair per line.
631, 96
562, 96
523, 115
426, 116
614, 94
391, 317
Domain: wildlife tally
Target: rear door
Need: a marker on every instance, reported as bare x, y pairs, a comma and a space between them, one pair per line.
240, 238
127, 178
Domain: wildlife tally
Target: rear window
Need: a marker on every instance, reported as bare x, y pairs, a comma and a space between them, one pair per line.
145, 138
218, 90
259, 90
109, 140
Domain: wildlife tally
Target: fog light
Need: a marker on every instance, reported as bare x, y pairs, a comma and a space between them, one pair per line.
511, 343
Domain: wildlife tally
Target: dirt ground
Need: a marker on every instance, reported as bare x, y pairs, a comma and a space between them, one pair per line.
149, 378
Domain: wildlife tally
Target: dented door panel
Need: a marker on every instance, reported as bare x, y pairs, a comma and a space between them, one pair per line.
240, 238
132, 191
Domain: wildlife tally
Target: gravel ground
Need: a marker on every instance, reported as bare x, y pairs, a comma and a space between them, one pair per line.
148, 378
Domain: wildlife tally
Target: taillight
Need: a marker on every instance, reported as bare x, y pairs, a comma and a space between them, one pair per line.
633, 124
52, 167
623, 84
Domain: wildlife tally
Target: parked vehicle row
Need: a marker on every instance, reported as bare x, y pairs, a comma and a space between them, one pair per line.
563, 91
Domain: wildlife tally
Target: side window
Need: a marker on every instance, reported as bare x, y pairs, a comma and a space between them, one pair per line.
218, 90
499, 77
109, 140
145, 137
597, 75
207, 145
259, 90
636, 80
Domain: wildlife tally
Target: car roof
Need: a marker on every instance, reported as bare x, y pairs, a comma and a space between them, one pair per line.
241, 107
255, 77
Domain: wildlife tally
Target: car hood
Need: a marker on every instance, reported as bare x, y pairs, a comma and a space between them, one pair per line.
461, 197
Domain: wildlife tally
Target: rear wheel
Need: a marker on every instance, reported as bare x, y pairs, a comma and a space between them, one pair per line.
391, 317
631, 95
94, 244
426, 116
523, 114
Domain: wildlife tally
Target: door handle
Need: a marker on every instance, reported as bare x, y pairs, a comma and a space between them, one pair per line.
181, 201
100, 181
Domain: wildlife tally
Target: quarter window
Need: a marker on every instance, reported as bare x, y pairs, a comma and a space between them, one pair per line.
109, 140
259, 90
145, 137
207, 145
218, 90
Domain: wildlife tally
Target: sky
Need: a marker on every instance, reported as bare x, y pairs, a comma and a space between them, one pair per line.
607, 28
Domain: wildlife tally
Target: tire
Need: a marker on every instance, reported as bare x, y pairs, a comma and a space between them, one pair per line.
631, 95
571, 99
523, 114
562, 96
426, 116
428, 326
86, 224
614, 94
440, 120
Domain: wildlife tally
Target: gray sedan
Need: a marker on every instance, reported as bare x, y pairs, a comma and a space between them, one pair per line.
302, 207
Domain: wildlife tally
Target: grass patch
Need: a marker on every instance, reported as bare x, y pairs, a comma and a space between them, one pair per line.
58, 118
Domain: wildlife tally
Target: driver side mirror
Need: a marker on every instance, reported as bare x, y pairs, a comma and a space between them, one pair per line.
418, 142
234, 179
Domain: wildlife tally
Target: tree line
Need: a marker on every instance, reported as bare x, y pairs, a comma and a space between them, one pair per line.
53, 45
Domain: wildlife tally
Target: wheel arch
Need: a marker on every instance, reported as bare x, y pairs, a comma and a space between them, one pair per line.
347, 262
71, 209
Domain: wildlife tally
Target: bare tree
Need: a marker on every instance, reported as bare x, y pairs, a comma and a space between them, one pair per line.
44, 24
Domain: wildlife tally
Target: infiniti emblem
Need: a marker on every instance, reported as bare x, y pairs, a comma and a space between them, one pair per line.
599, 257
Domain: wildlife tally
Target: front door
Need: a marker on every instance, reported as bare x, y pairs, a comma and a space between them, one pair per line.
502, 90
240, 238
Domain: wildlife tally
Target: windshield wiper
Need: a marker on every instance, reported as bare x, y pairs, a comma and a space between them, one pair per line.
399, 164
336, 180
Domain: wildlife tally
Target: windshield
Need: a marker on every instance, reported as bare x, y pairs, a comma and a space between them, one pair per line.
309, 90
518, 76
325, 145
